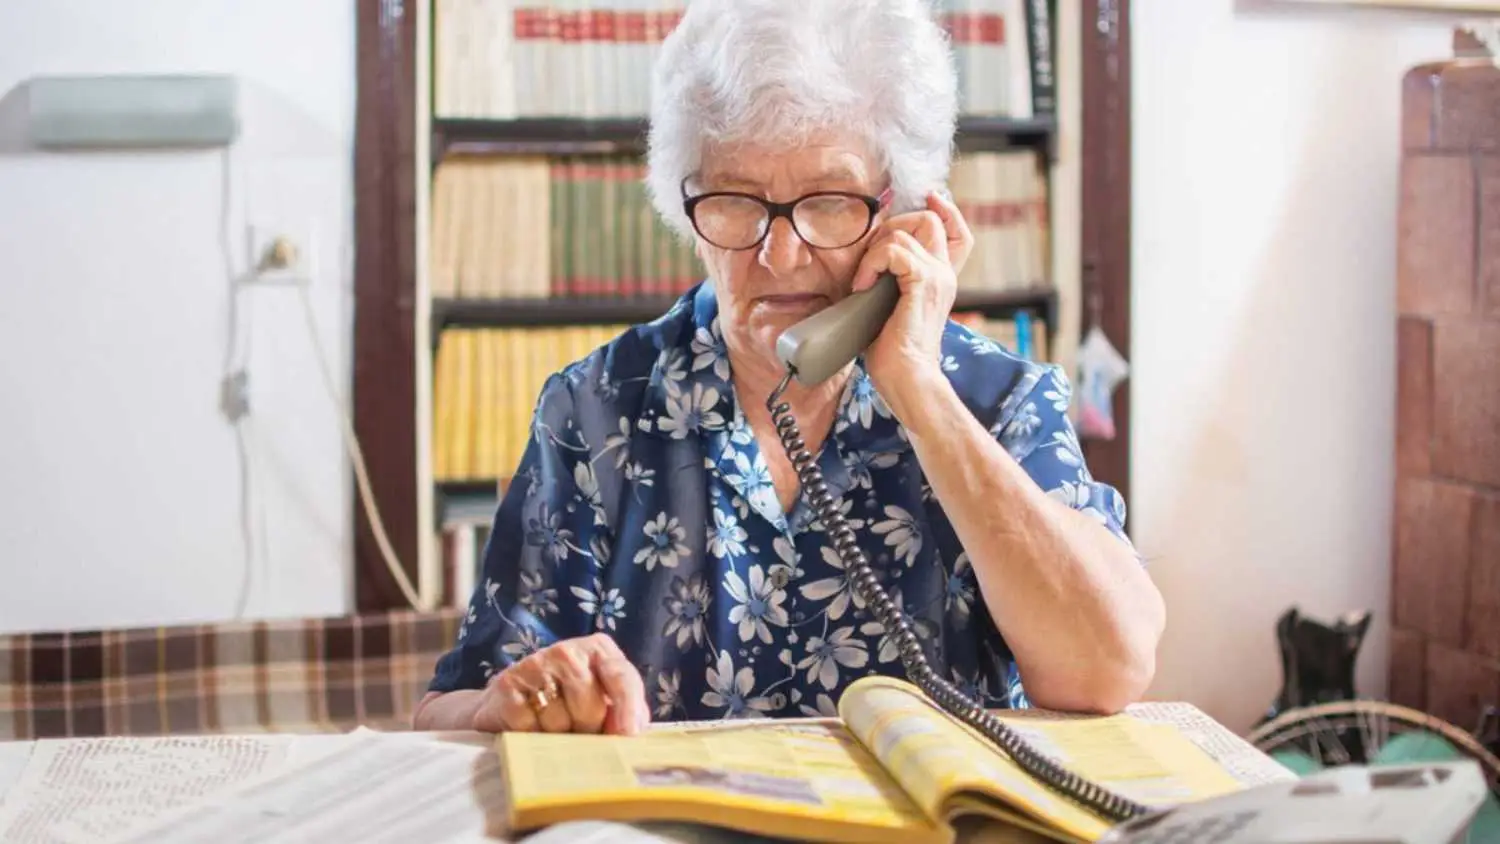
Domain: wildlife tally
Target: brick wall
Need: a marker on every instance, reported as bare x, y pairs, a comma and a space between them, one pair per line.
1445, 647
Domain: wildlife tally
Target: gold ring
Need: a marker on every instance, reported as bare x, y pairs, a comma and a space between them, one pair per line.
540, 698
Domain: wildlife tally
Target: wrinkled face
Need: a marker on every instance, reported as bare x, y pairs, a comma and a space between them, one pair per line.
770, 286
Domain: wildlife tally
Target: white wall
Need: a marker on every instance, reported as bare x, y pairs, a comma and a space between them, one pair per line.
119, 484
1265, 194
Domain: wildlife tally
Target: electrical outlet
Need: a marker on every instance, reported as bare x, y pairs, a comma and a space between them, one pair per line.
282, 254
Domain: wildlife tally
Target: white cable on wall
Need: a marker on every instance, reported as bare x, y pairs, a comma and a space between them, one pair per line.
236, 360
356, 455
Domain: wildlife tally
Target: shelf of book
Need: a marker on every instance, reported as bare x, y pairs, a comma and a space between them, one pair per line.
539, 241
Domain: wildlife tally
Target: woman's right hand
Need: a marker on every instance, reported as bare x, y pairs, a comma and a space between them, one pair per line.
582, 685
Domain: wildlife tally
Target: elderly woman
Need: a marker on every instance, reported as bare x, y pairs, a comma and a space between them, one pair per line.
654, 557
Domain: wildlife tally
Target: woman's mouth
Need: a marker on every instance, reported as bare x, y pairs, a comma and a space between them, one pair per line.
792, 301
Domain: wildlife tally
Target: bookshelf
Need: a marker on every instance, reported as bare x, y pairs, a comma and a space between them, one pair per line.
405, 308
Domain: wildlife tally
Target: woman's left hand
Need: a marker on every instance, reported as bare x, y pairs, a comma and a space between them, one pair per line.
924, 250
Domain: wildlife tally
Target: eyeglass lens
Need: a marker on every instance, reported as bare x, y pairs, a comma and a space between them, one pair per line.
824, 221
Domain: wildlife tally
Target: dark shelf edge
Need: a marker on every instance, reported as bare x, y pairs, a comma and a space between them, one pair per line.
564, 135
504, 313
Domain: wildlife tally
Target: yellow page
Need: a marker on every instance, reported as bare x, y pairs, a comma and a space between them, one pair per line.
794, 780
936, 757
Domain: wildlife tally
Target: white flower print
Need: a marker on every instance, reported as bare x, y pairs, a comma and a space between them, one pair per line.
1059, 393
758, 604
605, 606
536, 596
901, 532
726, 538
960, 593
673, 371
688, 414
1019, 433
841, 589
864, 403
599, 548
740, 432
668, 692
730, 690
784, 550
470, 618
546, 531
525, 645
688, 605
1020, 391
948, 363
709, 351
1069, 452
824, 656
755, 479
619, 443
861, 463
663, 545
823, 708
588, 489
1075, 495
980, 345
638, 474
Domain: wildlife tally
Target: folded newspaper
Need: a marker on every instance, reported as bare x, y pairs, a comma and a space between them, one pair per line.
893, 767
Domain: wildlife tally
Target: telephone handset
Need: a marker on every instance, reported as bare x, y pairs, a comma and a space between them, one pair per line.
812, 351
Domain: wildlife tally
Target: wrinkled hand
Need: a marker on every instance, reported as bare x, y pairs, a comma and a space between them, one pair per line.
924, 250
590, 687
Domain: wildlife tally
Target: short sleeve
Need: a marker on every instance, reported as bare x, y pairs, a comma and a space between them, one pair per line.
546, 534
1036, 431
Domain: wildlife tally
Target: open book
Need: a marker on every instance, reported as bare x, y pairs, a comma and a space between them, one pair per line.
893, 767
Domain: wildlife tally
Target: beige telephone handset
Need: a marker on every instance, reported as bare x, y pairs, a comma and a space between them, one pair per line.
812, 351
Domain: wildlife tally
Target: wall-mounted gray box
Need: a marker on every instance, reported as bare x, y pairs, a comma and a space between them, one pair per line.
132, 111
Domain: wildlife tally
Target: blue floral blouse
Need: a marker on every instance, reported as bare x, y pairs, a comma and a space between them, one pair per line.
643, 508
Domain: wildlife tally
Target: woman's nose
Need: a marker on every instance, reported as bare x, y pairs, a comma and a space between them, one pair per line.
783, 251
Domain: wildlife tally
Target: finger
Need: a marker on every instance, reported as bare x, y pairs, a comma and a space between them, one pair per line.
538, 676
926, 226
910, 260
504, 707
570, 663
890, 254
622, 683
960, 236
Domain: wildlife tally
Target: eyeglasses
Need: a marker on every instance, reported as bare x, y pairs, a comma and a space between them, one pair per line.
824, 219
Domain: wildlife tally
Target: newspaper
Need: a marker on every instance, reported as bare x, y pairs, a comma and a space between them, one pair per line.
80, 791
371, 788
945, 765
388, 788
1249, 766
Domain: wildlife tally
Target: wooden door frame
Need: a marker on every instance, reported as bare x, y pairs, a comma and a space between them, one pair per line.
385, 306
1105, 220
385, 388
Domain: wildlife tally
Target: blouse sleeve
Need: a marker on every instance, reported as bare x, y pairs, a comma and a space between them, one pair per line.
1039, 435
545, 534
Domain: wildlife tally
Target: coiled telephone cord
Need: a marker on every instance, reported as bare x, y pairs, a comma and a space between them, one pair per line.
1112, 806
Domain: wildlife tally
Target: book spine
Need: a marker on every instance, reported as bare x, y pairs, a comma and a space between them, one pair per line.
1040, 40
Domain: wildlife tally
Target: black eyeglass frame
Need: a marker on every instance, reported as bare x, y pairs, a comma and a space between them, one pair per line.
782, 209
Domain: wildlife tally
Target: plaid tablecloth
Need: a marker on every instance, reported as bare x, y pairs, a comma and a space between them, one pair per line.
303, 675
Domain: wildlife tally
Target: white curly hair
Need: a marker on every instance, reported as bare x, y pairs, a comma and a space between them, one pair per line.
736, 70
